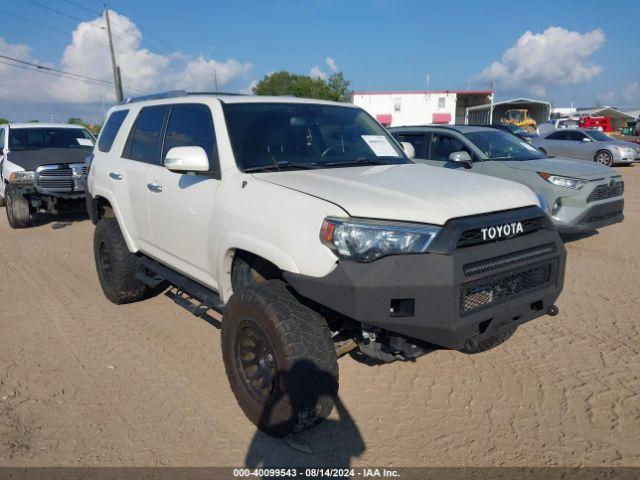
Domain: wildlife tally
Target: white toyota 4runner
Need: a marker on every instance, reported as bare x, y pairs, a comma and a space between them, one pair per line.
308, 226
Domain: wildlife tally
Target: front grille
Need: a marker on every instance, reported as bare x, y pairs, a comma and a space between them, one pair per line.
602, 192
508, 260
497, 289
474, 237
57, 178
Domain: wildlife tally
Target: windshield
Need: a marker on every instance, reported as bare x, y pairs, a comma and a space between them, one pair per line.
516, 130
276, 136
499, 145
598, 136
38, 138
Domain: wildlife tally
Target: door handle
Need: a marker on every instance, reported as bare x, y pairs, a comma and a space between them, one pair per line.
154, 187
115, 175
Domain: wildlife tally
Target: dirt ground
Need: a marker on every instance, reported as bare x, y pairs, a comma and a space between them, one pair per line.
87, 383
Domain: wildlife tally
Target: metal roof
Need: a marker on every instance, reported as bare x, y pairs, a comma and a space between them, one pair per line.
609, 111
522, 100
44, 125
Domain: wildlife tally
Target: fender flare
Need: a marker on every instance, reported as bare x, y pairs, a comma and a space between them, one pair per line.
116, 211
266, 250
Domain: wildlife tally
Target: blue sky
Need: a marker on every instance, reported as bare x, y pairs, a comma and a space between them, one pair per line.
378, 44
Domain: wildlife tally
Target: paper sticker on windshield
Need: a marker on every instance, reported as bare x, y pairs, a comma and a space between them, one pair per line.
380, 145
530, 147
85, 142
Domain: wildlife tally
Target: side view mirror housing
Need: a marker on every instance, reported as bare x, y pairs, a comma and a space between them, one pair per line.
4, 151
186, 159
408, 149
461, 157
586, 139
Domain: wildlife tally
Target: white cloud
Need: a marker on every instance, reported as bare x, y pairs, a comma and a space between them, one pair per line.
331, 63
607, 98
556, 56
248, 90
316, 72
142, 69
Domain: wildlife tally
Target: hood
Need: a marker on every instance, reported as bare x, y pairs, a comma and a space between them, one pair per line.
565, 167
623, 143
32, 159
409, 192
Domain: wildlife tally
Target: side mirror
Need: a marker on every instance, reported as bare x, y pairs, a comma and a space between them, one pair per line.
408, 149
187, 159
586, 139
461, 157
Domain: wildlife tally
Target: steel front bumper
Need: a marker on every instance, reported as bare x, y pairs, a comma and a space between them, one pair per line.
447, 298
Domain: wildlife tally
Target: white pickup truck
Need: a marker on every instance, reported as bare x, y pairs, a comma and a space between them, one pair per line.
306, 223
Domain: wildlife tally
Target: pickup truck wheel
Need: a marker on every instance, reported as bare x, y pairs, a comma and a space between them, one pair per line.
17, 207
279, 358
116, 265
489, 343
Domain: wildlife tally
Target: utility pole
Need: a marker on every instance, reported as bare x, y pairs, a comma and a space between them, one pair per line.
116, 70
215, 79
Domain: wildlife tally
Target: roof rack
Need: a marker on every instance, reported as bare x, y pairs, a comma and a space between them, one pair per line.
172, 94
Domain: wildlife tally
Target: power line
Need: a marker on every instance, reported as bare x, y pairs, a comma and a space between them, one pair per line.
41, 25
82, 7
54, 10
61, 73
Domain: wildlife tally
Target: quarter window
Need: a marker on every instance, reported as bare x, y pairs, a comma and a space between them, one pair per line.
1, 140
110, 130
192, 126
144, 141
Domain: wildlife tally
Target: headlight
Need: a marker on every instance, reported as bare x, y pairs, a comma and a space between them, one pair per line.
622, 149
568, 182
366, 240
22, 178
543, 203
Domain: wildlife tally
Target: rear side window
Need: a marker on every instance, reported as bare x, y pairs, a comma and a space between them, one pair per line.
110, 130
192, 126
1, 139
144, 142
558, 136
444, 145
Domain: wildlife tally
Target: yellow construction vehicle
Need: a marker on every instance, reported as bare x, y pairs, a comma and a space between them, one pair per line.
519, 117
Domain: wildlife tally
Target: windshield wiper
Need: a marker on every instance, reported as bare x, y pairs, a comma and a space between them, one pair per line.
358, 161
282, 165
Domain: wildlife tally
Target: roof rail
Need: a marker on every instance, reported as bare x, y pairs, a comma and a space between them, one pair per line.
156, 96
172, 94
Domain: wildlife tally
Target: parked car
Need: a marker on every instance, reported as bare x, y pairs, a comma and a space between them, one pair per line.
582, 196
517, 131
41, 168
306, 223
592, 145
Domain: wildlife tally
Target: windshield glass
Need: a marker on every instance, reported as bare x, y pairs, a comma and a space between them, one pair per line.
599, 136
38, 138
499, 145
516, 130
275, 136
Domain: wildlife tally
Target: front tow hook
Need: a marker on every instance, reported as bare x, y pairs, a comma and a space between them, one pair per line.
552, 310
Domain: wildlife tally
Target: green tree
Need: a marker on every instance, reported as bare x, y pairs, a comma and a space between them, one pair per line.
3, 120
34, 121
76, 121
285, 83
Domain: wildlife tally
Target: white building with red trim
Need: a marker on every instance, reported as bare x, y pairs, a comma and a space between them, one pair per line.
398, 108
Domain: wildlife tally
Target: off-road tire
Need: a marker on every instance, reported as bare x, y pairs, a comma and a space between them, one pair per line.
116, 265
17, 208
491, 342
304, 385
603, 157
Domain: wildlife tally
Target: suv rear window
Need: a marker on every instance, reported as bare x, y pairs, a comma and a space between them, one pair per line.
144, 141
110, 130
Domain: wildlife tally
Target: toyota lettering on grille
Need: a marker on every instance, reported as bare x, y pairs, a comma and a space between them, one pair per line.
502, 231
